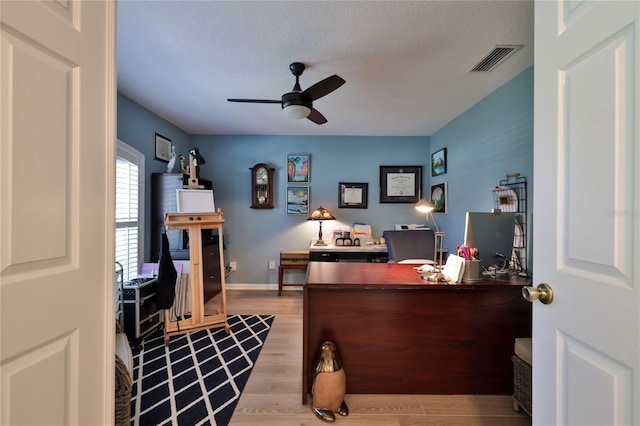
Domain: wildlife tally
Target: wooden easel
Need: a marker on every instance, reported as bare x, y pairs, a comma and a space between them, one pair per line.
195, 223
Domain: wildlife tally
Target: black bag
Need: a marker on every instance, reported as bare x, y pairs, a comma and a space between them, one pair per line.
167, 275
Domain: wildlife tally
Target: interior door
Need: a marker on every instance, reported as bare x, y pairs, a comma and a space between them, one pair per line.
586, 368
57, 86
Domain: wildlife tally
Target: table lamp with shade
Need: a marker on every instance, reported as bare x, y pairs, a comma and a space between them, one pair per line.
321, 214
427, 207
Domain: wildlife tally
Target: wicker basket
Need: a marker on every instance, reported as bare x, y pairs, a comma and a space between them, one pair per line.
123, 394
521, 384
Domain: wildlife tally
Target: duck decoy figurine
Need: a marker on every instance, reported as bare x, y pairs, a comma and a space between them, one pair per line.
329, 385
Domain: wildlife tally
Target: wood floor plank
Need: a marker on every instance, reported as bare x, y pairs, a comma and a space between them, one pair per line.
384, 404
272, 394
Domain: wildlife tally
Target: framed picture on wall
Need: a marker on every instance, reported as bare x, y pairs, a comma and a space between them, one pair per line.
298, 168
439, 197
298, 200
400, 184
353, 195
439, 162
162, 148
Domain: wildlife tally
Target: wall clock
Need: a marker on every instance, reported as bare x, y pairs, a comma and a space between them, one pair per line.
261, 186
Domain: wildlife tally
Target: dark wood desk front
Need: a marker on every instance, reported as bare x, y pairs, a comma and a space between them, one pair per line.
399, 334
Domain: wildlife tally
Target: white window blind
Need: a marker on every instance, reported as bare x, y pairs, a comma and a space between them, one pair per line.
129, 209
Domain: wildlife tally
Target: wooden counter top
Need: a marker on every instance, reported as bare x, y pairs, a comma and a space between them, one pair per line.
379, 275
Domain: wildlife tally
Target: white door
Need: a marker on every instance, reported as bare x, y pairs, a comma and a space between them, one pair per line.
586, 349
57, 151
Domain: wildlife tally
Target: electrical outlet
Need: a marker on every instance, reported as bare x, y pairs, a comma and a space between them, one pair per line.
272, 264
233, 266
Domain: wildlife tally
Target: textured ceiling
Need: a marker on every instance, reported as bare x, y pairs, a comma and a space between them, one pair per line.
405, 63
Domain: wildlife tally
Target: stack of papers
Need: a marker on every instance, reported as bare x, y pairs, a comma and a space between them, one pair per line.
361, 230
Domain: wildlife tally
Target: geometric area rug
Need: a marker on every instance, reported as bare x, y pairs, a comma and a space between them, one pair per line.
198, 378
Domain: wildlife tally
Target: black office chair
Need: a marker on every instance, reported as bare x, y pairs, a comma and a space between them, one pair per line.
410, 246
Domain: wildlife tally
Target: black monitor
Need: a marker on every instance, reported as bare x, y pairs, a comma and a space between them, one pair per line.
492, 234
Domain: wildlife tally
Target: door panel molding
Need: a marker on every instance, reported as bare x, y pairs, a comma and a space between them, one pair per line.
578, 361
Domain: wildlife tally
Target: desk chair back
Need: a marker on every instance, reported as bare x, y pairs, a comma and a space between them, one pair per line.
415, 246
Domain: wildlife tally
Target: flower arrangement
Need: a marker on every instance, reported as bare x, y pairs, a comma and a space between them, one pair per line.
468, 253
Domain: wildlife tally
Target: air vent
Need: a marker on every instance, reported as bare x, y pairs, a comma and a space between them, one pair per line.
495, 58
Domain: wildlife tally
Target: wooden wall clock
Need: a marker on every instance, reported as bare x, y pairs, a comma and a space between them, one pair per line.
262, 186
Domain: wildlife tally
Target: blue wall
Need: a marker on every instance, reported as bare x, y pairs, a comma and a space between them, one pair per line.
253, 237
491, 139
484, 144
137, 127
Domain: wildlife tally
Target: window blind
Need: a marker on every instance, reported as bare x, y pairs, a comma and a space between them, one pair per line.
128, 213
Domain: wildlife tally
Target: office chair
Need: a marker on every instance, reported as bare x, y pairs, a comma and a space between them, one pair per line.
410, 246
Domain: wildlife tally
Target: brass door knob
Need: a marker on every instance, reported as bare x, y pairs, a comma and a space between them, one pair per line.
543, 292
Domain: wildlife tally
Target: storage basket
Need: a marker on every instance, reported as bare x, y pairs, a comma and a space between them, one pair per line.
521, 384
123, 394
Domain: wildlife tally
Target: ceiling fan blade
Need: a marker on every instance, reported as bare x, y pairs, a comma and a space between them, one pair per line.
316, 117
323, 87
256, 101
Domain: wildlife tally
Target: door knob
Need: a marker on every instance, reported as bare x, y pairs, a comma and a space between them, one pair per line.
543, 292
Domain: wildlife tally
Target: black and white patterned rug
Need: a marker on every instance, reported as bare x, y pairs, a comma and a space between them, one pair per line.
198, 378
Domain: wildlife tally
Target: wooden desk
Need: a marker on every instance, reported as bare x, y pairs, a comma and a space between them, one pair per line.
398, 334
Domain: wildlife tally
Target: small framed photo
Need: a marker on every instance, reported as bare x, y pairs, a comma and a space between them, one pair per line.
400, 184
298, 200
439, 197
298, 168
353, 195
162, 148
439, 162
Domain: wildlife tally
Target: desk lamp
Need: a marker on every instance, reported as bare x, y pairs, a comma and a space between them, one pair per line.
321, 214
427, 207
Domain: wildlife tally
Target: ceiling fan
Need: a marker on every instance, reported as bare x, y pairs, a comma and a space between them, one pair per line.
299, 103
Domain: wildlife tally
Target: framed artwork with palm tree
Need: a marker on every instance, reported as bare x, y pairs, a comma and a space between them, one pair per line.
298, 168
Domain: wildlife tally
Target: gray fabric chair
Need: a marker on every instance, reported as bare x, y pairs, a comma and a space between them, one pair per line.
410, 246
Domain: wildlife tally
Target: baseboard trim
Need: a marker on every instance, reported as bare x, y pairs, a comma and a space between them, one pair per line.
240, 286
269, 287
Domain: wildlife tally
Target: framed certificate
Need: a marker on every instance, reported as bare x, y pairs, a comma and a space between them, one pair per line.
353, 195
162, 148
400, 184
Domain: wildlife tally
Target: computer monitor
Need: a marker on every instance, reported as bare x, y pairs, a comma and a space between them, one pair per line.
492, 234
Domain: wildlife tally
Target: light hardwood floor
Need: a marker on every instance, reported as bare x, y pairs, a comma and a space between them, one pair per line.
272, 395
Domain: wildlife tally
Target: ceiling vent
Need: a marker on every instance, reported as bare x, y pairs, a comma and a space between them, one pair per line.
495, 58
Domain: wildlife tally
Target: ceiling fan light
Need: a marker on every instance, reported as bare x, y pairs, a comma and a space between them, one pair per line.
297, 111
